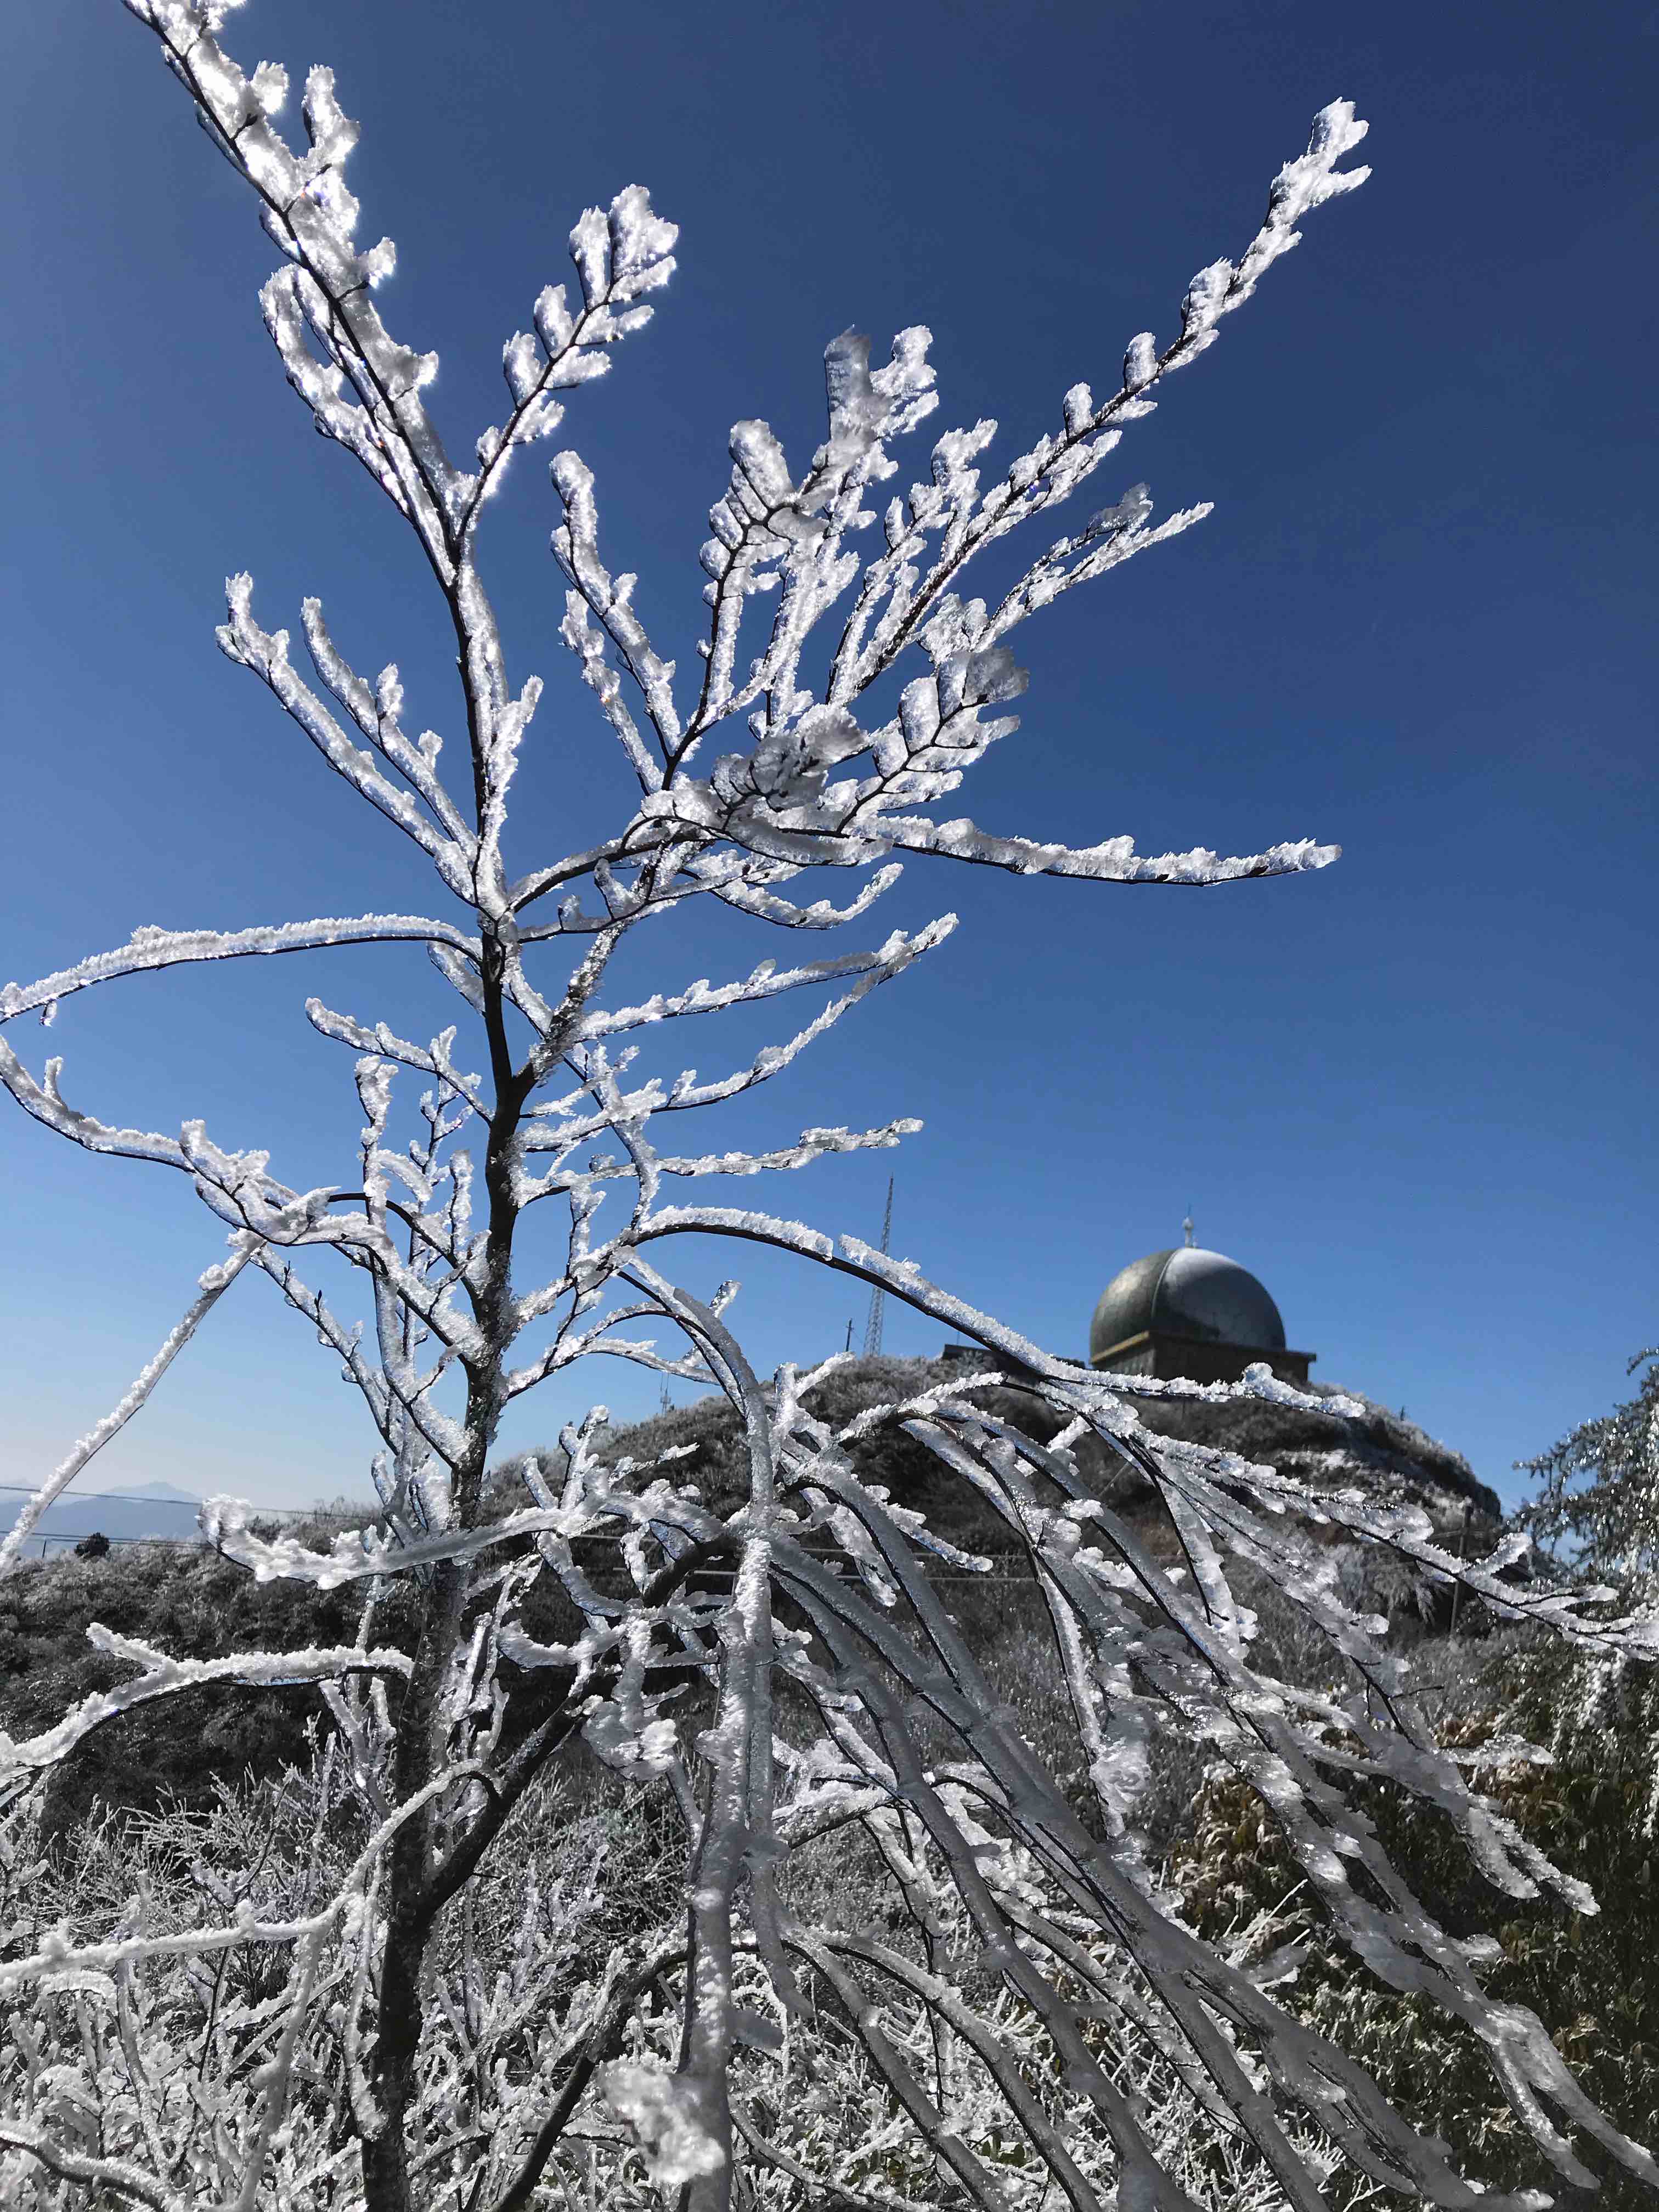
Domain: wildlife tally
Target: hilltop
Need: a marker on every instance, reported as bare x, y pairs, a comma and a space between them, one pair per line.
196, 1603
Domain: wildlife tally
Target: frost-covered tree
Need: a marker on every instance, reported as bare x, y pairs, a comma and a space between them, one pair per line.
1596, 1520
1598, 1510
779, 1671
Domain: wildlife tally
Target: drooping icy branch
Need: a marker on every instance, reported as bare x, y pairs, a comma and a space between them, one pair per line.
1358, 2116
165, 1676
1179, 1966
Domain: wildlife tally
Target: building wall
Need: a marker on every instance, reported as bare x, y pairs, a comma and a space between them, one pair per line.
1198, 1359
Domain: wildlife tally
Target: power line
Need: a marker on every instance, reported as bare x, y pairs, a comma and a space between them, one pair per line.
112, 1497
138, 1497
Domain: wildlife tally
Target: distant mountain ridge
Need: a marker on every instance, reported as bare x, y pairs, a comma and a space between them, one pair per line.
144, 1510
170, 1489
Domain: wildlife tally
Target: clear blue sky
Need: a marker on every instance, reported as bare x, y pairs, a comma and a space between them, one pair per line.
1414, 1094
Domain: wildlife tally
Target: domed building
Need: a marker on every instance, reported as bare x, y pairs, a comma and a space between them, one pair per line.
1193, 1313
1190, 1313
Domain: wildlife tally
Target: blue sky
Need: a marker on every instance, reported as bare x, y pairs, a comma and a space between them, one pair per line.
1415, 1093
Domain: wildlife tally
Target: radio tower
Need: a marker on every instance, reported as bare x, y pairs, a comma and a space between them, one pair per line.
872, 1328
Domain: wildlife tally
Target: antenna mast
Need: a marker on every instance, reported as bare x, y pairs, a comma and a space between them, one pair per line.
873, 1329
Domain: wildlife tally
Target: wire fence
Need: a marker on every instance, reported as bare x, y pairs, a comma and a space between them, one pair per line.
46, 1539
190, 1543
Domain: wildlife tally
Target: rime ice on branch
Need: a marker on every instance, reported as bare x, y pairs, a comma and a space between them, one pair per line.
696, 2044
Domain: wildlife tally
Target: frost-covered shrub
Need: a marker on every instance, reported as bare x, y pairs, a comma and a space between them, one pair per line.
567, 1893
585, 1885
1591, 1977
768, 1641
200, 1606
1598, 1507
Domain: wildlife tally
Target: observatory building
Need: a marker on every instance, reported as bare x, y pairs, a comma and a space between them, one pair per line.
1189, 1312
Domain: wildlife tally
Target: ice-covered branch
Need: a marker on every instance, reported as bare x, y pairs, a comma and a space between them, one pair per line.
619, 256
150, 948
119, 2174
1344, 2102
265, 652
312, 215
212, 1287
814, 1145
377, 714
359, 1555
767, 981
768, 530
750, 896
1113, 861
164, 1676
433, 1058
610, 600
1109, 538
950, 506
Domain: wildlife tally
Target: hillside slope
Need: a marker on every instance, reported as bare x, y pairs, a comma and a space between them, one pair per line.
197, 1604
1382, 1452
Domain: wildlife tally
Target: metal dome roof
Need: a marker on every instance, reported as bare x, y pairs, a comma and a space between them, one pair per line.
1187, 1291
